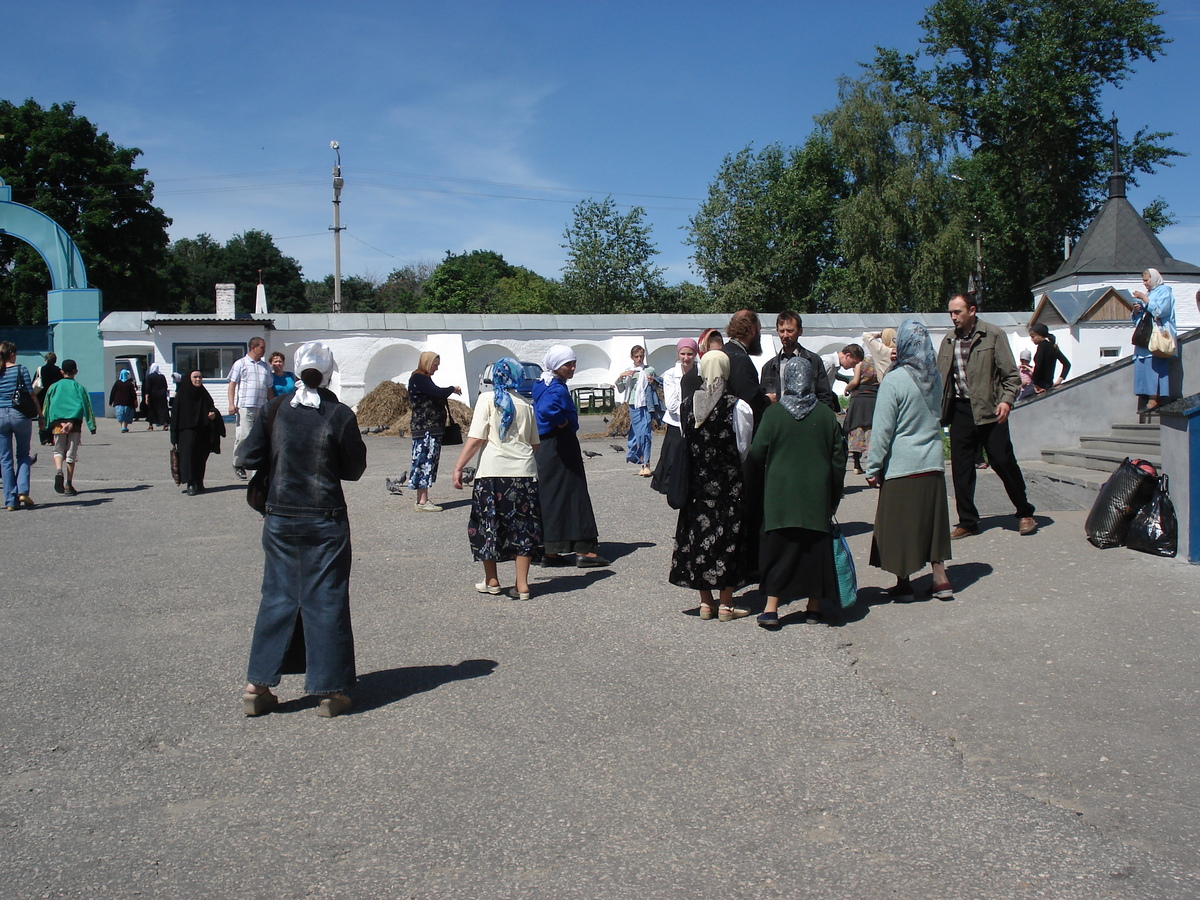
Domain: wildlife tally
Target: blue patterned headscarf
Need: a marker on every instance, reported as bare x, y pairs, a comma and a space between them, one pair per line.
124, 376
507, 374
914, 352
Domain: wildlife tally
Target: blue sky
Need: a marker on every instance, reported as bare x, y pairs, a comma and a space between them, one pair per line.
479, 125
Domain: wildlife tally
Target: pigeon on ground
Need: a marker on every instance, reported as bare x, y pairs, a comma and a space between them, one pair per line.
590, 454
617, 447
394, 487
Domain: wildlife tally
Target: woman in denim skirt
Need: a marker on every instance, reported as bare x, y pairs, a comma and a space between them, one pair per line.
310, 444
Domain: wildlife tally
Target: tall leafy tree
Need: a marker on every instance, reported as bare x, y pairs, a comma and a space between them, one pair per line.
899, 230
196, 265
1023, 79
59, 164
609, 260
467, 283
764, 236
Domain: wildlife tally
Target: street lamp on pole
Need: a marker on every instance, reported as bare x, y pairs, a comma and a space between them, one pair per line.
978, 292
337, 228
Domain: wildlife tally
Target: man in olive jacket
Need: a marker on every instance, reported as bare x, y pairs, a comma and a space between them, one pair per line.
980, 382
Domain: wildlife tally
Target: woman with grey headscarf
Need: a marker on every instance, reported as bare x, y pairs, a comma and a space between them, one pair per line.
309, 444
799, 446
568, 523
711, 547
906, 461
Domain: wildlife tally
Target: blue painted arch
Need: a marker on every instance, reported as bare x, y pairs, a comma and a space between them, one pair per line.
47, 237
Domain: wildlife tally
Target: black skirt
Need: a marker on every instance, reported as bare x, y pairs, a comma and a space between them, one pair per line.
568, 522
662, 471
798, 562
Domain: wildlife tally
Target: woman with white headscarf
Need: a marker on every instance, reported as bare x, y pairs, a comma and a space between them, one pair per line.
309, 443
802, 453
568, 523
156, 394
1153, 377
906, 461
506, 518
711, 544
686, 351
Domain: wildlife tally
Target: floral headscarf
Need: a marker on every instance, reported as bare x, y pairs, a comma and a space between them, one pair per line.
507, 374
799, 387
914, 353
714, 370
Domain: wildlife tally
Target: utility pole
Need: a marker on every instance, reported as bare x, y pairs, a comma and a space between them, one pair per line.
337, 228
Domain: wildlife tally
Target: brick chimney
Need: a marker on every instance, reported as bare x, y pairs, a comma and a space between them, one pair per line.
225, 300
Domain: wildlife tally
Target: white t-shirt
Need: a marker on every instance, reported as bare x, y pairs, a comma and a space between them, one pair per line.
513, 456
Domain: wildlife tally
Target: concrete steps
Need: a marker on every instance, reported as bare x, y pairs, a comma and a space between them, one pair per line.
1078, 473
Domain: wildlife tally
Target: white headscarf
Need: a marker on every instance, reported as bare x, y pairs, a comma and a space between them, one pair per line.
556, 357
1155, 278
313, 355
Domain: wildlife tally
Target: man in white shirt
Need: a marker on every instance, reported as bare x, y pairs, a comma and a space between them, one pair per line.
249, 387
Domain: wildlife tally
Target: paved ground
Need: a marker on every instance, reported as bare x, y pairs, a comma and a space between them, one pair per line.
1034, 738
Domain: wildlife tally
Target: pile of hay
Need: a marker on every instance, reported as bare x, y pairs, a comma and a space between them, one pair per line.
384, 406
618, 422
389, 406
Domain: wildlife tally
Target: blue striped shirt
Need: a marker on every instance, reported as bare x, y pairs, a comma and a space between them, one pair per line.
8, 383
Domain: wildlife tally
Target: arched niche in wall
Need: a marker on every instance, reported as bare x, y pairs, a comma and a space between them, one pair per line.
394, 362
662, 358
482, 357
592, 365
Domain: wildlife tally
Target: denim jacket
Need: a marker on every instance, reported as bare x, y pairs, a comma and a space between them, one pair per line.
310, 452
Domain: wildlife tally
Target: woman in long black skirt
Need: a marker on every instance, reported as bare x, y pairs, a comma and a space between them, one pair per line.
568, 523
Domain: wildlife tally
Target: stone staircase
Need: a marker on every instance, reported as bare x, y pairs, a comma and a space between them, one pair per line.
1077, 473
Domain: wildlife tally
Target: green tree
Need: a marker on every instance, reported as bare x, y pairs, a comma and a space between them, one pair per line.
193, 269
1023, 79
58, 163
360, 294
404, 289
899, 232
253, 252
764, 236
526, 291
467, 283
609, 255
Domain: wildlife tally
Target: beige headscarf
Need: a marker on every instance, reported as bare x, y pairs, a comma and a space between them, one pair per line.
714, 371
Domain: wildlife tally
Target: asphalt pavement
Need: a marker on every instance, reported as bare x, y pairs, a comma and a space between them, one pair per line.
1034, 737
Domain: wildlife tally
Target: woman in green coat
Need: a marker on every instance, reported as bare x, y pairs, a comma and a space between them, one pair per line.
800, 447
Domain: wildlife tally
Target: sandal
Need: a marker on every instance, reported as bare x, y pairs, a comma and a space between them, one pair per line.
484, 588
256, 704
513, 594
707, 612
729, 613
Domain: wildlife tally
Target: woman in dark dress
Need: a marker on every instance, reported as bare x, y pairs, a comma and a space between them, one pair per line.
568, 523
861, 390
711, 548
1044, 359
157, 394
195, 427
428, 424
686, 351
123, 399
801, 450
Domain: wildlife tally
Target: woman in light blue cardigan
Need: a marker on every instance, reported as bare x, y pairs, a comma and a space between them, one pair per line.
912, 519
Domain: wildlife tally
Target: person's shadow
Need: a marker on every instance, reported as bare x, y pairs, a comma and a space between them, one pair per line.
376, 689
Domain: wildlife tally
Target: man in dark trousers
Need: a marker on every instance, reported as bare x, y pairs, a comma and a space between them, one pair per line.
980, 382
789, 327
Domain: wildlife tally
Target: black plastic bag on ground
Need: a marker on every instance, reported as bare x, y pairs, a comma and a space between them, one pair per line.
1155, 529
1127, 490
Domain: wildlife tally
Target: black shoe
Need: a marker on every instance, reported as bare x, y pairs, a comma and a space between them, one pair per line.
192, 491
58, 482
591, 562
552, 562
239, 472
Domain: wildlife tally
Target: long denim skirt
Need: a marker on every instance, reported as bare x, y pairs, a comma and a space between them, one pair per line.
303, 620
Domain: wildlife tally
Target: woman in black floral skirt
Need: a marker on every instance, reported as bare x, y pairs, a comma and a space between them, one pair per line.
710, 538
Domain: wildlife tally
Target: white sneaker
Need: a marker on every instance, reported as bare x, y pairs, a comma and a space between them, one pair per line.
427, 507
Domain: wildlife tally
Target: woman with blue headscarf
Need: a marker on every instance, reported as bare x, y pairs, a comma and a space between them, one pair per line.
123, 399
506, 519
1155, 380
906, 461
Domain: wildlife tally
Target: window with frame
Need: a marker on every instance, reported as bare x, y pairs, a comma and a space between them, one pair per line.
1110, 352
210, 360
